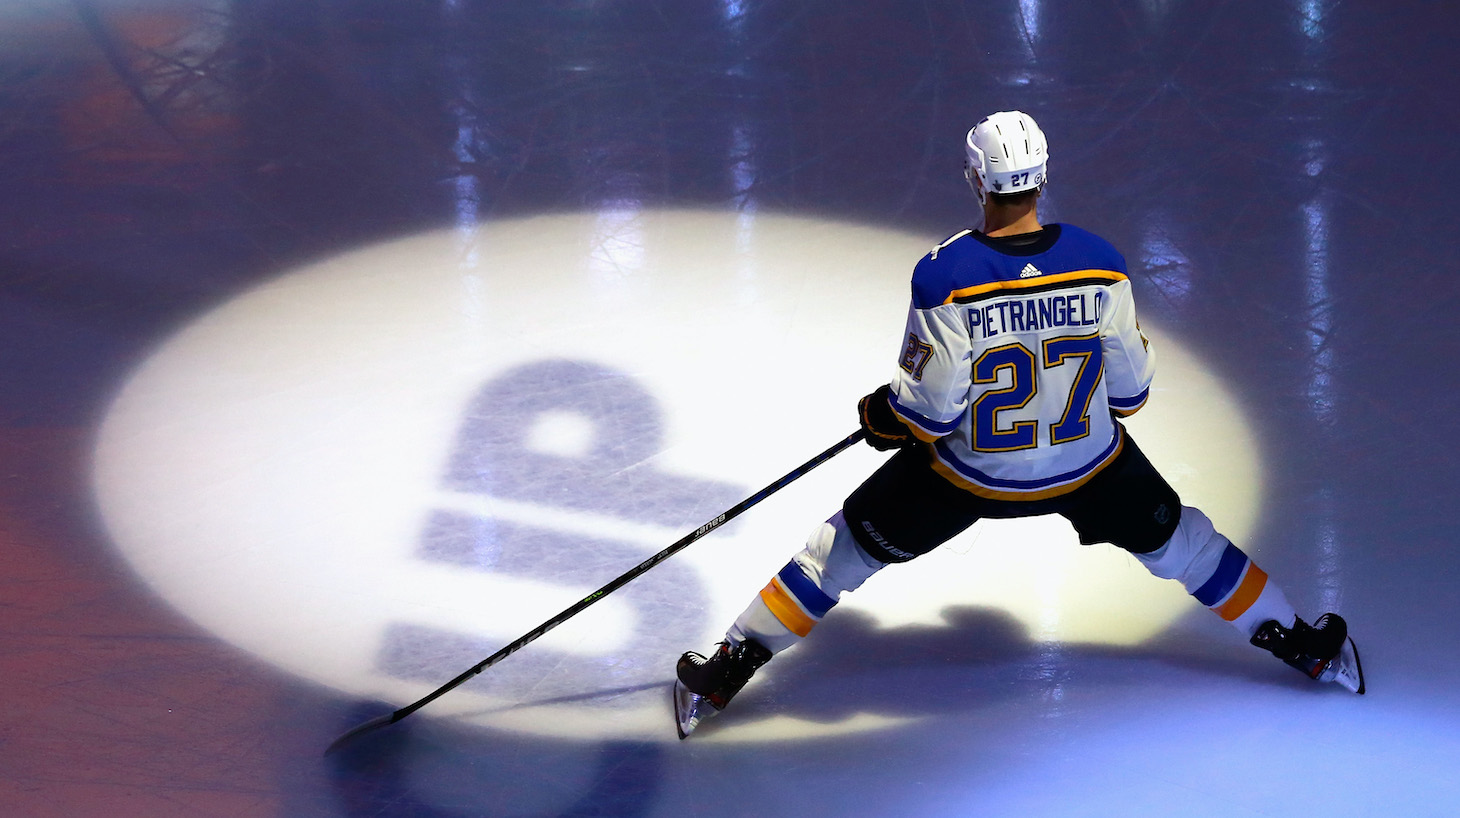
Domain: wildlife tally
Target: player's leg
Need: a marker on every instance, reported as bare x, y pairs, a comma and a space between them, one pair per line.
1131, 506
806, 589
1218, 574
784, 612
1225, 579
904, 509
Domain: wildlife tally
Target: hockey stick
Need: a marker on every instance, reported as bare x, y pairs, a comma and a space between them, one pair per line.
620, 581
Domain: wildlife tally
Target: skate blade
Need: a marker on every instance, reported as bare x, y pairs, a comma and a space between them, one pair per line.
1346, 668
689, 709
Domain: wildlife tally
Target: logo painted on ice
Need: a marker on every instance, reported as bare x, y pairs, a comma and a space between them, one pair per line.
524, 537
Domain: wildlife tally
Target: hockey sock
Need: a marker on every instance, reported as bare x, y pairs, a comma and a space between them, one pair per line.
1243, 594
1219, 575
802, 592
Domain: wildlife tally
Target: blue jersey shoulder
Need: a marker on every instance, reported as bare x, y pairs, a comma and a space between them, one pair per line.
963, 261
956, 262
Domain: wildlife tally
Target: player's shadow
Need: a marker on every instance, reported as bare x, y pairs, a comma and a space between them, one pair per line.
977, 657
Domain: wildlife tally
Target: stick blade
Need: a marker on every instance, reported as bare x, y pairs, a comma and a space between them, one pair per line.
369, 726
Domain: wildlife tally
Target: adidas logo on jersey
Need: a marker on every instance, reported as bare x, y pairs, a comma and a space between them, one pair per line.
1030, 271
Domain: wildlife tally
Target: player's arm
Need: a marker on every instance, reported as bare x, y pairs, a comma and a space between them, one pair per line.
1130, 362
929, 393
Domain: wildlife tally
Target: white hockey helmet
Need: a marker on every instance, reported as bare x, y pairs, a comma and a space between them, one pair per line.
1007, 153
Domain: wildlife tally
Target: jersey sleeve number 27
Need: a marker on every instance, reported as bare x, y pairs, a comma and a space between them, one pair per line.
1023, 387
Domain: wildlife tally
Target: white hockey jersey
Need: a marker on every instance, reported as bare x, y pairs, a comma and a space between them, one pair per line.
1017, 356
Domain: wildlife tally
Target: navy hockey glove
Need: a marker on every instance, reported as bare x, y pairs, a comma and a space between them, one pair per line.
885, 430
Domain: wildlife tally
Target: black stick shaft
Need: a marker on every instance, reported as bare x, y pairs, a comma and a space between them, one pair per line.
614, 585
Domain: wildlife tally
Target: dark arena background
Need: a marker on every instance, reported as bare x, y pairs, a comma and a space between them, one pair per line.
344, 341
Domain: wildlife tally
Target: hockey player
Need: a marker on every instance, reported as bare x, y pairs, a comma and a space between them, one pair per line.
1021, 353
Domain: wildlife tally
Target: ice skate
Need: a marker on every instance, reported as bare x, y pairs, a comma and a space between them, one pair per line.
705, 685
1323, 651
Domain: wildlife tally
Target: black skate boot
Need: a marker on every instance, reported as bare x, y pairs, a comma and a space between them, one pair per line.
1322, 651
706, 684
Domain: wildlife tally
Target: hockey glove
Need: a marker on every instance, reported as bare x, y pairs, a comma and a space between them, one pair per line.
885, 430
